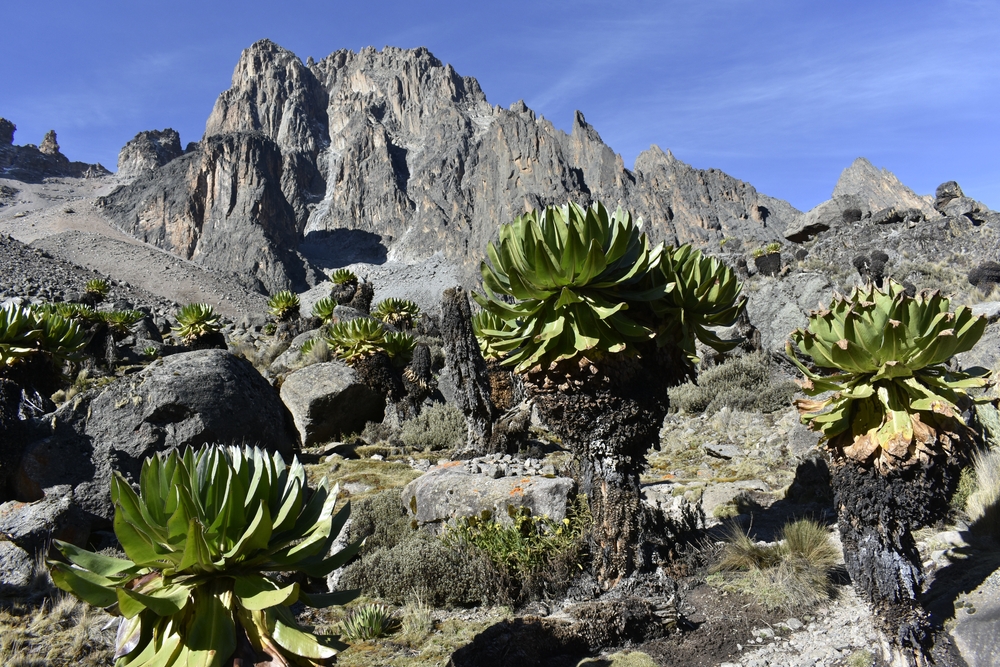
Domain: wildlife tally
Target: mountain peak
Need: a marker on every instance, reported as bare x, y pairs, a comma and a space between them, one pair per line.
878, 188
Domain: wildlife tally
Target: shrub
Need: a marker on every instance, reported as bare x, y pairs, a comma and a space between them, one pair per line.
789, 575
440, 426
364, 337
447, 576
196, 320
397, 312
380, 521
742, 383
368, 622
284, 305
199, 537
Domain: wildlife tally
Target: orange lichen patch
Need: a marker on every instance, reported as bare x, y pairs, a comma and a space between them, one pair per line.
517, 490
449, 464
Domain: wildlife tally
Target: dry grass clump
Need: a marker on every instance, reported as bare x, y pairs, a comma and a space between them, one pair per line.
740, 383
62, 631
983, 505
259, 357
789, 575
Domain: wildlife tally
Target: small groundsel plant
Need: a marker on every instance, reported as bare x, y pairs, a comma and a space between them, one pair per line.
397, 312
893, 400
97, 288
150, 352
343, 277
323, 309
196, 320
788, 575
201, 538
284, 305
120, 322
369, 621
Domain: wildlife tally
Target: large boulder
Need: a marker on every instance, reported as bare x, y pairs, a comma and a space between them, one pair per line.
32, 526
16, 569
778, 307
833, 213
187, 399
451, 491
328, 400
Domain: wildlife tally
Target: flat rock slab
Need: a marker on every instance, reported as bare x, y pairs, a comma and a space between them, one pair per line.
977, 634
329, 400
448, 492
16, 568
716, 495
723, 451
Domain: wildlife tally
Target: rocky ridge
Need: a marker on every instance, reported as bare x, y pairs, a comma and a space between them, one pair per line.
32, 163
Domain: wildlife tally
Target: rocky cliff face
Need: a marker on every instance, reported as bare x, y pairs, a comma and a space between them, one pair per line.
220, 206
400, 148
879, 189
148, 151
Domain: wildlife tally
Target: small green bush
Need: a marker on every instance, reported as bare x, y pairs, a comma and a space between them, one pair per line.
741, 383
284, 305
323, 309
445, 575
380, 520
97, 288
368, 622
440, 426
343, 277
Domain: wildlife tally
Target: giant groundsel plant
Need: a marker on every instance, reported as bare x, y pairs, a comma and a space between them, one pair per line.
893, 399
581, 281
201, 537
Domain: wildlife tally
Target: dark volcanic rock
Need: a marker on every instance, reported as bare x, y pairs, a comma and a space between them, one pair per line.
147, 151
186, 399
7, 130
220, 206
831, 214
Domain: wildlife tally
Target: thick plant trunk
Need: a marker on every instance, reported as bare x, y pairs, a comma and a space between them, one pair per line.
609, 418
468, 371
877, 514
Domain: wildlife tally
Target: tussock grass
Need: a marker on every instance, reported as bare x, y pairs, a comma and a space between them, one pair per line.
61, 631
378, 475
983, 505
789, 576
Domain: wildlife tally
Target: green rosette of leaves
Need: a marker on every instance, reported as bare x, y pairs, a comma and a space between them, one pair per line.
200, 536
396, 312
706, 294
195, 321
894, 403
567, 281
25, 331
364, 337
284, 305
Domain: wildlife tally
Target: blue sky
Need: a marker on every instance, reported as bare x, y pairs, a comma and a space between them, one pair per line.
783, 94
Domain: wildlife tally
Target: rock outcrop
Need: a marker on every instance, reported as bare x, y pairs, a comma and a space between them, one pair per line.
32, 164
328, 401
220, 206
879, 189
148, 151
400, 149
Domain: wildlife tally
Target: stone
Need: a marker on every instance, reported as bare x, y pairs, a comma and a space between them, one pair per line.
831, 214
977, 634
723, 451
187, 399
289, 359
448, 492
716, 495
7, 130
329, 400
32, 526
778, 307
17, 569
793, 624
49, 145
148, 151
945, 193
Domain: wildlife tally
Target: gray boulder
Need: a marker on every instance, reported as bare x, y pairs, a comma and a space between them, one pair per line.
833, 213
328, 400
450, 491
780, 306
976, 627
17, 568
187, 399
32, 526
